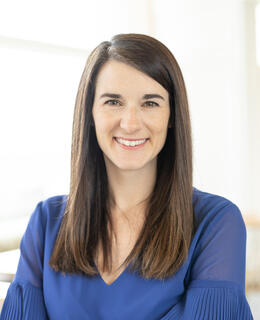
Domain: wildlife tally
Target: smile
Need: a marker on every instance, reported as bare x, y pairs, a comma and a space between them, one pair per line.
130, 144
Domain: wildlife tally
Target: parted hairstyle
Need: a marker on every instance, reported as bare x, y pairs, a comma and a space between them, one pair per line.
164, 240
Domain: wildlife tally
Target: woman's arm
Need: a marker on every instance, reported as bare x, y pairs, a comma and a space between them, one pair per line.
24, 298
217, 285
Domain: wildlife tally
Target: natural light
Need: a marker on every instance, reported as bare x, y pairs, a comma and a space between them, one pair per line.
257, 24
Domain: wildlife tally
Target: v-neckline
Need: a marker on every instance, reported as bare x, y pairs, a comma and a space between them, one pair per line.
115, 280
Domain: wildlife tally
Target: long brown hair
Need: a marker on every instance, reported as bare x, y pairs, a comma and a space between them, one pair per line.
163, 243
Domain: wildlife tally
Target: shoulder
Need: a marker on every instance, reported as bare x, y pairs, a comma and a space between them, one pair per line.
206, 200
48, 212
52, 207
209, 207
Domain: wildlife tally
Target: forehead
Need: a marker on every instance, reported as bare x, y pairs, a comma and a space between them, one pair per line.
115, 75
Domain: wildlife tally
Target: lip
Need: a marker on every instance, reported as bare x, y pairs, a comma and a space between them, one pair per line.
139, 146
131, 139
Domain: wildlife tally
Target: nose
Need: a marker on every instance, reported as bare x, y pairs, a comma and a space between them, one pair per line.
130, 120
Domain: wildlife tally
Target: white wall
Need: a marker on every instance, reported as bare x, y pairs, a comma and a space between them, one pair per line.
214, 43
210, 42
253, 100
38, 86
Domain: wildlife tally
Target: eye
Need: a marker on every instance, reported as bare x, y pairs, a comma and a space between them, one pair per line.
112, 102
151, 104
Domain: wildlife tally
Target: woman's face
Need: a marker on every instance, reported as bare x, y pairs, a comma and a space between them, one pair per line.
131, 127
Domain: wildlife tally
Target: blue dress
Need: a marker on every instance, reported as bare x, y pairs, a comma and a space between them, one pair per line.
209, 286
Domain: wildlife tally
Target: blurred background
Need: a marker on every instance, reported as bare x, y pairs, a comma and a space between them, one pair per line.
43, 50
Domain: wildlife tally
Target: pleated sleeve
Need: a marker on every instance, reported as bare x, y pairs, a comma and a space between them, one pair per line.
24, 299
216, 290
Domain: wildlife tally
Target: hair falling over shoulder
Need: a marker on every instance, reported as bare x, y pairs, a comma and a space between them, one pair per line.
163, 243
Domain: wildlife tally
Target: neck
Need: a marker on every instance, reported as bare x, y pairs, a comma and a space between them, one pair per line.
131, 188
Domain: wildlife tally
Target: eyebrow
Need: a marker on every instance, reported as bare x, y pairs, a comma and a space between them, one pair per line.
145, 97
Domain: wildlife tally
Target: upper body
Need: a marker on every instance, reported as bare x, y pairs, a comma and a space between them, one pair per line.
131, 161
210, 285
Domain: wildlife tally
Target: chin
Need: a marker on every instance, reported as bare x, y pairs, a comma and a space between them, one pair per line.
130, 166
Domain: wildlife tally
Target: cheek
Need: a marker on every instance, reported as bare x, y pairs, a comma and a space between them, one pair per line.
101, 122
160, 126
103, 129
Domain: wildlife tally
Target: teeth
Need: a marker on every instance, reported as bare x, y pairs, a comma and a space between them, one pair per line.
130, 143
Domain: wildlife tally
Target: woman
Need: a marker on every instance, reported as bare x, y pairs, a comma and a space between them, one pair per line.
133, 239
